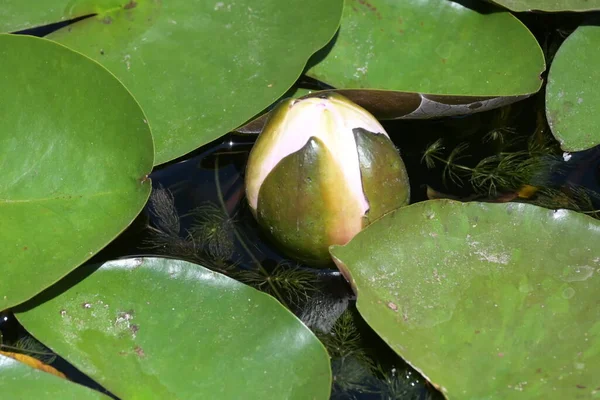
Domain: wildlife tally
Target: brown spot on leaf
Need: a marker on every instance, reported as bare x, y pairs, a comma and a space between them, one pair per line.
25, 248
369, 6
500, 354
134, 329
107, 20
580, 386
538, 371
477, 332
139, 351
86, 305
130, 5
392, 306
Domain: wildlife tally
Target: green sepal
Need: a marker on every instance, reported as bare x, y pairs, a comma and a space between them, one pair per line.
318, 198
383, 174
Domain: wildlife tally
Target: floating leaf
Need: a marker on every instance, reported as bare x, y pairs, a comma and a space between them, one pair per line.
33, 363
18, 381
489, 301
387, 104
199, 68
74, 153
549, 5
573, 95
452, 59
153, 328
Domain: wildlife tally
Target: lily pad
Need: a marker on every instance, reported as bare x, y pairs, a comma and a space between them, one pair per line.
550, 5
489, 301
74, 153
442, 53
199, 68
18, 381
388, 104
151, 328
573, 92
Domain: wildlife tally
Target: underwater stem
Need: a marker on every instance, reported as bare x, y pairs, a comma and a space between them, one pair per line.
241, 240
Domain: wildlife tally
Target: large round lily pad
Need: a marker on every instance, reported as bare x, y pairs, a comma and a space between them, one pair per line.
489, 301
573, 92
550, 5
74, 153
449, 58
151, 328
19, 381
199, 68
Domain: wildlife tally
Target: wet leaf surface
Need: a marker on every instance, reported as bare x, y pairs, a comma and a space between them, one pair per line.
73, 164
573, 95
491, 301
18, 381
198, 68
447, 52
155, 328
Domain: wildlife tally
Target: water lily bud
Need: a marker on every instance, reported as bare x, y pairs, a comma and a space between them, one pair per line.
322, 169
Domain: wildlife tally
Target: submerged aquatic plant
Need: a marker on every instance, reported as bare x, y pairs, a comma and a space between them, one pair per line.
214, 241
213, 231
29, 346
357, 373
292, 280
523, 169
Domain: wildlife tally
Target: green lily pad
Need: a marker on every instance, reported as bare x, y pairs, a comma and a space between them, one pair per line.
489, 301
549, 5
74, 153
199, 68
18, 381
573, 93
151, 328
449, 58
